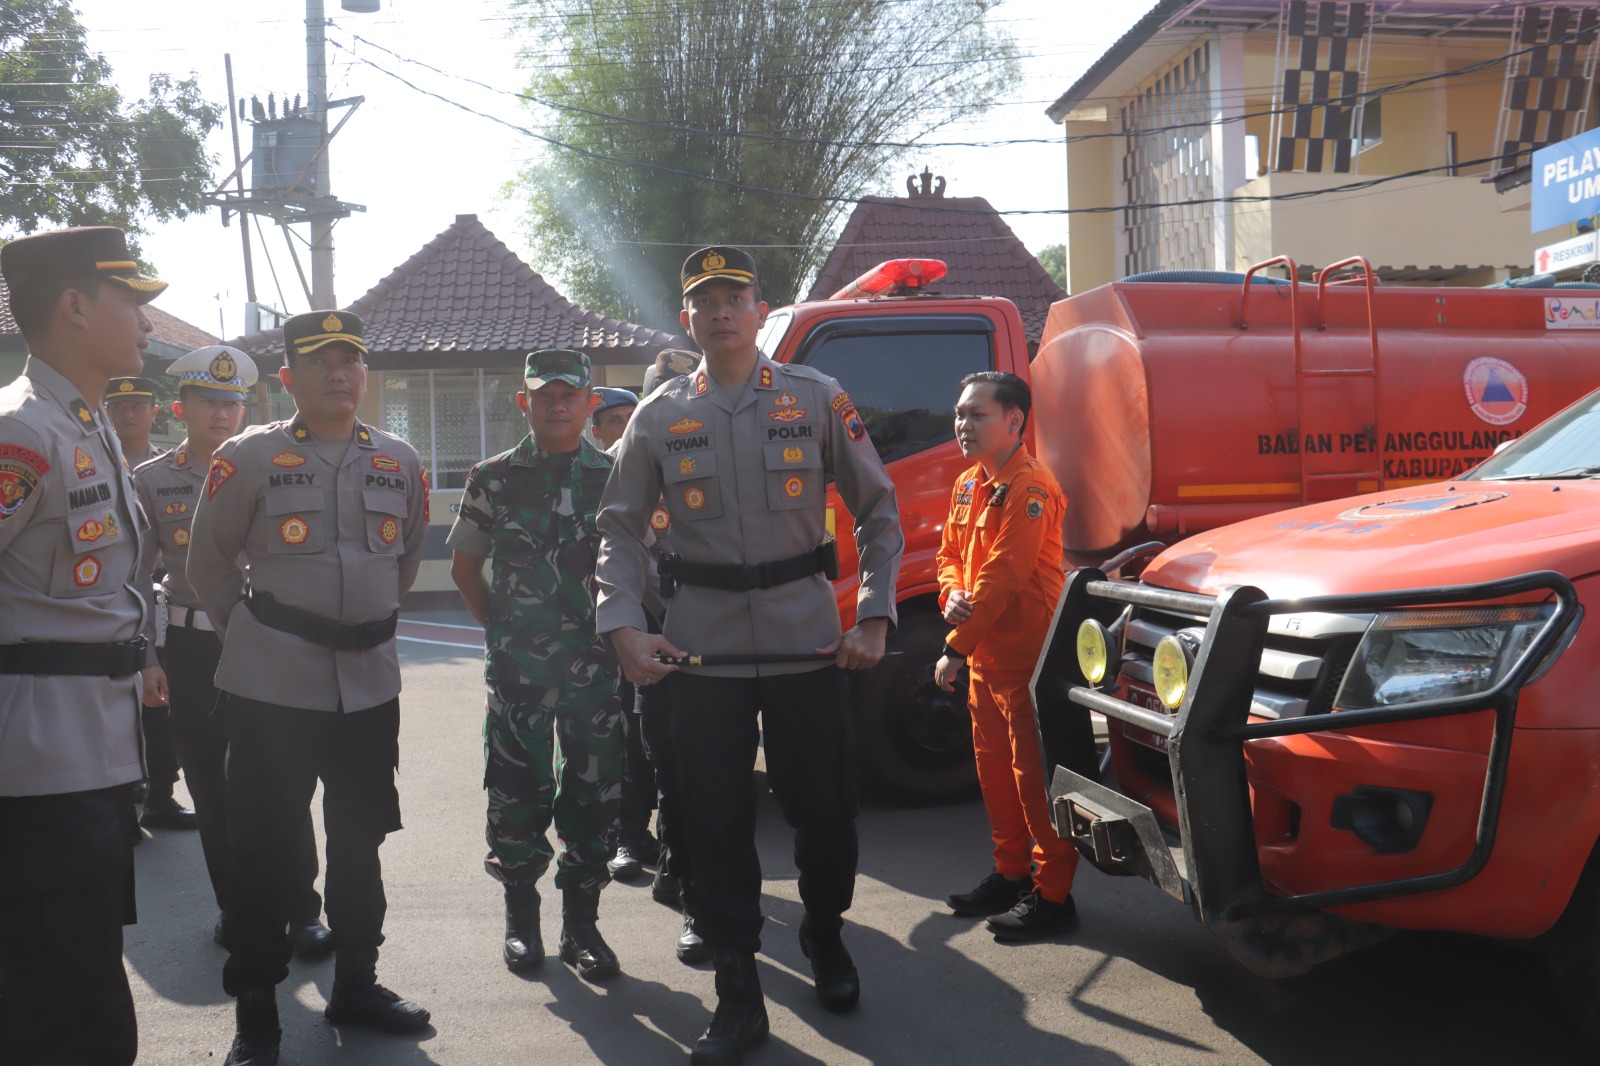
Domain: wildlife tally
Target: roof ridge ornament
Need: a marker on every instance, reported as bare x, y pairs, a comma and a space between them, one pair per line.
929, 188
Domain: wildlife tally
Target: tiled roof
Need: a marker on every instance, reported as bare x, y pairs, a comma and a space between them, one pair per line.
984, 255
175, 331
466, 299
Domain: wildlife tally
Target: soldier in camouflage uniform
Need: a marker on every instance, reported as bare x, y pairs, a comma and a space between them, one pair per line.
551, 680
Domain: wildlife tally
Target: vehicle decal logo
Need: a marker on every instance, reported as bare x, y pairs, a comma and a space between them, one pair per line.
1418, 506
1496, 391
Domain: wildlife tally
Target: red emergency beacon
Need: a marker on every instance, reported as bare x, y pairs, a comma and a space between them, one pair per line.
897, 277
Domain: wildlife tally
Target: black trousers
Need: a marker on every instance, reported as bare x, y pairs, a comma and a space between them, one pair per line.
66, 890
805, 720
638, 775
275, 757
654, 710
161, 757
200, 733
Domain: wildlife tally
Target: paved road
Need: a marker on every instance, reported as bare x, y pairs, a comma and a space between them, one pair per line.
1140, 983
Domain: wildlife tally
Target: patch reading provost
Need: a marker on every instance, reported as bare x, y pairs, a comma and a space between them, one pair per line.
694, 499
288, 459
83, 464
385, 462
660, 520
180, 537
1418, 506
389, 531
1497, 392
221, 471
86, 572
294, 530
793, 487
686, 425
687, 465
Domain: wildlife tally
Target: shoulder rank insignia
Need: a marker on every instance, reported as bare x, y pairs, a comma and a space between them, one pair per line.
363, 435
700, 383
300, 433
81, 409
180, 458
766, 379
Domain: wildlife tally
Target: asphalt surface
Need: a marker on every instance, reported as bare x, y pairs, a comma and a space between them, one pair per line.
1140, 982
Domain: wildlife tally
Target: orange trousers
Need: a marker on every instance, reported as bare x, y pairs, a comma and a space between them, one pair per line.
1011, 774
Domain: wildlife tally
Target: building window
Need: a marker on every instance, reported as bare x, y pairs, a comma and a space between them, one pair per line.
454, 418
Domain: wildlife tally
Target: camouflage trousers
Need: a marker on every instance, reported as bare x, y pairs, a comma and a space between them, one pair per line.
552, 754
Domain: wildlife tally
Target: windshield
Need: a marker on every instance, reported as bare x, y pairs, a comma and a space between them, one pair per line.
771, 334
1566, 446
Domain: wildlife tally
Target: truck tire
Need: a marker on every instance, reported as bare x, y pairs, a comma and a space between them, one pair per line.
1572, 954
913, 739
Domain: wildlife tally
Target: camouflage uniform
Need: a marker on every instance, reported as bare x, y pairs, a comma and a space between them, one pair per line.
550, 679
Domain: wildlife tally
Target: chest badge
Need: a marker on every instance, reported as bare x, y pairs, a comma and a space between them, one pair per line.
83, 464
694, 499
1035, 508
687, 466
785, 400
91, 531
389, 531
294, 530
685, 425
793, 455
288, 459
386, 463
180, 537
86, 572
660, 520
788, 414
177, 507
793, 487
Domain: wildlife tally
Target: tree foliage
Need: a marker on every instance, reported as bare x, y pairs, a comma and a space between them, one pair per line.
72, 151
1054, 260
792, 95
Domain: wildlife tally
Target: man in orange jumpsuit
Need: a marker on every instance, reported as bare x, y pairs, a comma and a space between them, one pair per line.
999, 579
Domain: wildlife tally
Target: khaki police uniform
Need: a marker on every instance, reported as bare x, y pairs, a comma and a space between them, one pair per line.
332, 533
70, 654
738, 475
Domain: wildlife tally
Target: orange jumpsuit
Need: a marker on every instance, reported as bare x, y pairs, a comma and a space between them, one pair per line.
1002, 544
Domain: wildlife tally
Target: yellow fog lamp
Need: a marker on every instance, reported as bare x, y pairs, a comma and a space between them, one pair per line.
1170, 666
1094, 651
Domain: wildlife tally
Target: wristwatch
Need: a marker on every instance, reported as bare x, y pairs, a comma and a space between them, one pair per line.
952, 653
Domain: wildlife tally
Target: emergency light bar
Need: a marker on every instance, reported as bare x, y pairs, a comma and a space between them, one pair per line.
894, 278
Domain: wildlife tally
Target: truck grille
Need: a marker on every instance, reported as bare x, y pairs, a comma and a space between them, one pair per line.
1302, 664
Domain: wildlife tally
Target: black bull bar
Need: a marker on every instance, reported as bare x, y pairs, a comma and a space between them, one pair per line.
1212, 865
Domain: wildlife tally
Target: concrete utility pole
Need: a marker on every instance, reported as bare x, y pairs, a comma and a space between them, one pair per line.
317, 93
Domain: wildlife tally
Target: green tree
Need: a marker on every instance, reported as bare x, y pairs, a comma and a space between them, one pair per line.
72, 151
802, 96
1054, 260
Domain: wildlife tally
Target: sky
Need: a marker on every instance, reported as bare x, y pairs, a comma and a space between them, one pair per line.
415, 162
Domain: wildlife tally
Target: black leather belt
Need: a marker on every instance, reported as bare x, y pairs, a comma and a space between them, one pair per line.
74, 660
823, 559
340, 636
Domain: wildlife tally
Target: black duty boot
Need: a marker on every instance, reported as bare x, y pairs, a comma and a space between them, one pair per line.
838, 984
691, 949
625, 863
258, 1036
310, 940
740, 1021
524, 945
582, 946
666, 889
358, 999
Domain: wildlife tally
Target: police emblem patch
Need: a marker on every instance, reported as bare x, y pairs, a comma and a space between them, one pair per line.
294, 530
180, 537
223, 369
221, 471
687, 465
793, 487
389, 531
685, 425
288, 459
660, 520
333, 324
17, 482
785, 400
82, 463
788, 414
125, 386
694, 499
91, 531
386, 463
86, 572
1035, 508
177, 507
714, 261
793, 455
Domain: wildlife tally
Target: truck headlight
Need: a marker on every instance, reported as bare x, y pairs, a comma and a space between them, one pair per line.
1094, 651
1412, 656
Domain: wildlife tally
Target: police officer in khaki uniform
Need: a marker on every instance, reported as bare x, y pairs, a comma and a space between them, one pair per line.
71, 653
330, 515
740, 451
216, 383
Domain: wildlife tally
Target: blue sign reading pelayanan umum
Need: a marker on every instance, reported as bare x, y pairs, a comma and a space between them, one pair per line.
1566, 181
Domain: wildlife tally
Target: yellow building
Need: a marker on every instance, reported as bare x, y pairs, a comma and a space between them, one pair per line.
1225, 133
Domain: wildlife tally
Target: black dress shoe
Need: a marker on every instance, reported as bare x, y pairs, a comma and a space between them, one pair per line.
994, 895
833, 970
1034, 918
310, 940
376, 1007
164, 812
625, 864
259, 1048
666, 889
691, 950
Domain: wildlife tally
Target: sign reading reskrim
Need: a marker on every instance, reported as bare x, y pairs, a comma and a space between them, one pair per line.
1566, 181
